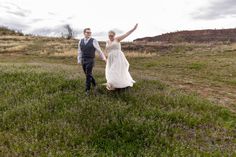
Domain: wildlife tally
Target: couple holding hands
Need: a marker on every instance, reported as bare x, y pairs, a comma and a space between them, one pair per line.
117, 66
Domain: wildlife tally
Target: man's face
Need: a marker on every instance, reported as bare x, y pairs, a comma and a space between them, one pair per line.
87, 33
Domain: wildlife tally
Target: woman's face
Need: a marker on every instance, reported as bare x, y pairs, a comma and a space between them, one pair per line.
111, 36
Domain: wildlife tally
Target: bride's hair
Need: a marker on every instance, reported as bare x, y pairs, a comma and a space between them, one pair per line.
113, 32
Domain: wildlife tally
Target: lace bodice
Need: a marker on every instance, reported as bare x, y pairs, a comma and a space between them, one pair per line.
113, 46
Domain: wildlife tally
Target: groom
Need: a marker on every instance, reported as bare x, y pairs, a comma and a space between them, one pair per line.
86, 54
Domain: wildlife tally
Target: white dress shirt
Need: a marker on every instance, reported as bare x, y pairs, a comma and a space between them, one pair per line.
96, 46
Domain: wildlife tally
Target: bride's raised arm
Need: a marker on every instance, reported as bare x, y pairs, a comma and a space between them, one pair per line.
120, 38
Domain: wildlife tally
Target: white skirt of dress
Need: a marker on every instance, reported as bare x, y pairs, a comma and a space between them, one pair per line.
117, 71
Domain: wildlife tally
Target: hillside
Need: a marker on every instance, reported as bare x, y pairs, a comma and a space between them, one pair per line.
12, 42
199, 36
4, 31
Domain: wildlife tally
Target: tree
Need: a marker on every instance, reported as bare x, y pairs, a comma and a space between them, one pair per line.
69, 31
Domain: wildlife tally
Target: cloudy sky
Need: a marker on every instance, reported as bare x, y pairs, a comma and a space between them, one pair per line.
47, 17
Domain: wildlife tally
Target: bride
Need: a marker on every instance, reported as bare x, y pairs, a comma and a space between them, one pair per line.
117, 67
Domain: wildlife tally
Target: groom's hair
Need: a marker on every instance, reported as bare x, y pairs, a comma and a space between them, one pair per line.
86, 29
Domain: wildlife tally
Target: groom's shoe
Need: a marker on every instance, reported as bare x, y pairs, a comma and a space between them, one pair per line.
87, 93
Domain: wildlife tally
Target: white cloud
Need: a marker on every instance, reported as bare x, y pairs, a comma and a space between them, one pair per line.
216, 9
154, 16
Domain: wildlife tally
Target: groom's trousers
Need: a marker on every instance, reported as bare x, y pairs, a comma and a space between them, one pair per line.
88, 64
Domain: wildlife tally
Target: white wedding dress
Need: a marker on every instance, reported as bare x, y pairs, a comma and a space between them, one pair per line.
117, 67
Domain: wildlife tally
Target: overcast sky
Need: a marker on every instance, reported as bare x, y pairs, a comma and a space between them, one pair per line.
47, 17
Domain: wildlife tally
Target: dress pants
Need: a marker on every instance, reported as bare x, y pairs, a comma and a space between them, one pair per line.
88, 64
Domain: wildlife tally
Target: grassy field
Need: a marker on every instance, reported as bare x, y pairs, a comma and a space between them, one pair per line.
183, 103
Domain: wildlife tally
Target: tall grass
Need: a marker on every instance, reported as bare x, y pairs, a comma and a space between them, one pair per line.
48, 114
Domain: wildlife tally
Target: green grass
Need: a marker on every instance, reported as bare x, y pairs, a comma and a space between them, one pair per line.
183, 103
196, 66
44, 112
